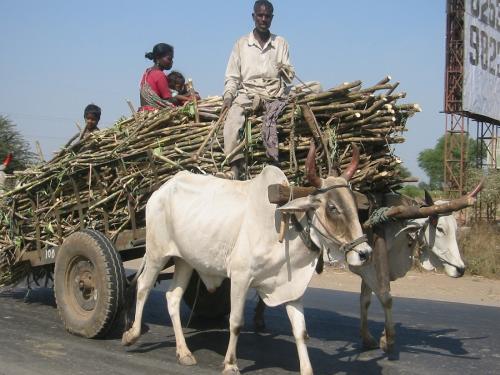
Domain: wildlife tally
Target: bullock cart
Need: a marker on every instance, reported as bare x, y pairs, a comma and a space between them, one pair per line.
88, 274
77, 218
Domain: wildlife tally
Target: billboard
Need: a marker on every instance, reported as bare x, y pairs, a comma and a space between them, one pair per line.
481, 79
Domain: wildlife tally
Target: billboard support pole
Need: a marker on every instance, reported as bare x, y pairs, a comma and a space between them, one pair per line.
457, 125
455, 154
488, 151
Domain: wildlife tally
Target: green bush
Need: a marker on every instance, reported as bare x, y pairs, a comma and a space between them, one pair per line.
480, 248
412, 191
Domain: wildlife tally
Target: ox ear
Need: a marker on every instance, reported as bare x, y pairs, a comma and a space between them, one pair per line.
412, 227
427, 264
428, 199
433, 219
300, 204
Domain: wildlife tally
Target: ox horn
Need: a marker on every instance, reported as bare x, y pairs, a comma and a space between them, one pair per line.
312, 177
478, 188
8, 159
428, 198
351, 169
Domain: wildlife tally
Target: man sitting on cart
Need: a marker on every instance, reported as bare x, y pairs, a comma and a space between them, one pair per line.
259, 67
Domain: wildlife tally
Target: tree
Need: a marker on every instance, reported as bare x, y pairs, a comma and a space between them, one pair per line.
490, 194
431, 160
12, 141
412, 191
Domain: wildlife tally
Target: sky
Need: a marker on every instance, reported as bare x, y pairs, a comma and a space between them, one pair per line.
58, 56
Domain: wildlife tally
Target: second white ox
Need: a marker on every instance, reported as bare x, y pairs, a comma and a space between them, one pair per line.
436, 241
225, 228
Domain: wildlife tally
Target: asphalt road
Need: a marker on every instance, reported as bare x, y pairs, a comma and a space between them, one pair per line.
433, 338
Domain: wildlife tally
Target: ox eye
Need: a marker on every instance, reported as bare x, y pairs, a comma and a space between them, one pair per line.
332, 208
440, 230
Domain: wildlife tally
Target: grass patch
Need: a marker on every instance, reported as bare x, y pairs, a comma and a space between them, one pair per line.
480, 247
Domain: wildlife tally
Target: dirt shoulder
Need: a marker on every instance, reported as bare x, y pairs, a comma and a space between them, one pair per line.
475, 290
423, 285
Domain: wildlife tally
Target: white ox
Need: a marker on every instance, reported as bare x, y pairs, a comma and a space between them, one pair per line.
437, 247
225, 228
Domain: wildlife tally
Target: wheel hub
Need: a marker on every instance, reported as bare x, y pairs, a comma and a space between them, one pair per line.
83, 284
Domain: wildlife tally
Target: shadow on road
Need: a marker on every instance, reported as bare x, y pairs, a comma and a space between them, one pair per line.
334, 344
276, 346
41, 296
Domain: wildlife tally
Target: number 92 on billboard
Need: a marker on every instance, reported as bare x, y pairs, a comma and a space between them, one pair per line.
481, 86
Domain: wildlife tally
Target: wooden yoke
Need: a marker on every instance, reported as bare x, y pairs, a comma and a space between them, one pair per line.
416, 212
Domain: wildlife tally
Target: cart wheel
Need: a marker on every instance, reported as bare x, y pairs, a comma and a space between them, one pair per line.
89, 282
208, 305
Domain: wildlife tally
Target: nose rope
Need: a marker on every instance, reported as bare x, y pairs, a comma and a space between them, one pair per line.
304, 233
422, 237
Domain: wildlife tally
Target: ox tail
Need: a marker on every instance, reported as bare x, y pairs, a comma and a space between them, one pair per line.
133, 281
130, 295
321, 262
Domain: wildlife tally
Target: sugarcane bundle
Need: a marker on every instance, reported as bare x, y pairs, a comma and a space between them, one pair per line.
101, 179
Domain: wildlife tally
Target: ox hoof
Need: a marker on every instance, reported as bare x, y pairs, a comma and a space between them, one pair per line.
128, 338
369, 343
231, 371
385, 345
187, 360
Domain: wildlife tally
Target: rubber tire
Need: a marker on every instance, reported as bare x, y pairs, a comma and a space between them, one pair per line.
208, 305
109, 278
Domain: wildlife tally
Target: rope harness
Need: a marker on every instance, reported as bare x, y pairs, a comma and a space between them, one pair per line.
305, 232
419, 239
422, 240
379, 216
